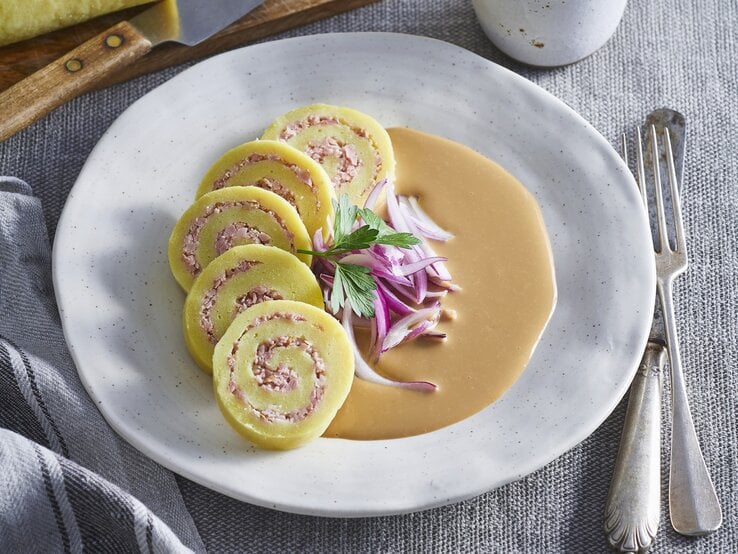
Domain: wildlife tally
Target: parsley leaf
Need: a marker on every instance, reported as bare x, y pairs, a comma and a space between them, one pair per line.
351, 282
355, 284
403, 240
345, 216
362, 238
375, 222
386, 234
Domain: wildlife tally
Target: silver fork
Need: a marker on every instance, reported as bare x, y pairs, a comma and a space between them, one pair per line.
694, 508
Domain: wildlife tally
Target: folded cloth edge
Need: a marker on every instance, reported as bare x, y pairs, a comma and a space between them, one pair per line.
45, 405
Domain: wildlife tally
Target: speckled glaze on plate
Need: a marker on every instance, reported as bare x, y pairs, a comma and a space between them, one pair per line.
121, 308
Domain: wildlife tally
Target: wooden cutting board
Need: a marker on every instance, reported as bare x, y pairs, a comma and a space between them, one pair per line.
17, 61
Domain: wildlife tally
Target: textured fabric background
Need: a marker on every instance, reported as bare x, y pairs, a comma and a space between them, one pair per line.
675, 53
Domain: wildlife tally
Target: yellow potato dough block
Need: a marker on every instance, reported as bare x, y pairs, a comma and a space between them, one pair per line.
281, 169
281, 372
354, 148
241, 277
22, 19
230, 217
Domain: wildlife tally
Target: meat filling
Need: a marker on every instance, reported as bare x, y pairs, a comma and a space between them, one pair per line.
302, 174
239, 230
255, 296
348, 161
282, 378
279, 189
192, 237
210, 296
298, 126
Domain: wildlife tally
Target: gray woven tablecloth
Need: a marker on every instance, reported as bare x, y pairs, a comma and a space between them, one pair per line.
675, 53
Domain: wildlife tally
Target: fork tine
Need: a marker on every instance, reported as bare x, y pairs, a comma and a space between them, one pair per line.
679, 240
640, 169
624, 149
660, 212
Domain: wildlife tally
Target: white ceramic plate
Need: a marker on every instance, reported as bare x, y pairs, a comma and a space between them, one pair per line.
121, 308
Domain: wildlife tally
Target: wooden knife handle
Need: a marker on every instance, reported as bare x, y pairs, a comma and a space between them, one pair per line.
69, 76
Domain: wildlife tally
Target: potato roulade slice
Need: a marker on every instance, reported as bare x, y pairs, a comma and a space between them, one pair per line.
231, 217
243, 276
281, 169
354, 149
281, 372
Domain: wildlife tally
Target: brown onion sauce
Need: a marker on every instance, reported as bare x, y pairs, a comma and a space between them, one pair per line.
500, 256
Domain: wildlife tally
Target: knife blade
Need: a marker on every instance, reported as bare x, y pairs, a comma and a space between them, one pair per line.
188, 22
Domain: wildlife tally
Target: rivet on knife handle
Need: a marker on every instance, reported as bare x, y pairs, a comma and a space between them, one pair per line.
69, 76
632, 510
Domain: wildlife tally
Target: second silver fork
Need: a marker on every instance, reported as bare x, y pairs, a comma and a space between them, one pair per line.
694, 508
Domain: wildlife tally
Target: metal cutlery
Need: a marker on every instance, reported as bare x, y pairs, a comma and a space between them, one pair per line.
634, 500
694, 508
632, 511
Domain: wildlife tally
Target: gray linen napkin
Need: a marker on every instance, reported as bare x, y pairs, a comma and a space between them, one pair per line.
68, 482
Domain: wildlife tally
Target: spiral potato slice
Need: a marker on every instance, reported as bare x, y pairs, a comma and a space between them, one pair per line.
281, 372
353, 148
236, 280
279, 168
230, 217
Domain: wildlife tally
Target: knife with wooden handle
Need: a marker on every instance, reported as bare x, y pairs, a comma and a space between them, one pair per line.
188, 22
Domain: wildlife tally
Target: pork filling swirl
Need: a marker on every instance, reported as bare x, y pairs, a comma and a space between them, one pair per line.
279, 189
349, 163
239, 230
302, 174
255, 296
228, 235
281, 379
211, 295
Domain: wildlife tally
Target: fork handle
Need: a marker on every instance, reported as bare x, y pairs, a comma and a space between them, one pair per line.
633, 503
694, 507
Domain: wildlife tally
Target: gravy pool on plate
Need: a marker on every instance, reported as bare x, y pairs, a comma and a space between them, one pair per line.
501, 258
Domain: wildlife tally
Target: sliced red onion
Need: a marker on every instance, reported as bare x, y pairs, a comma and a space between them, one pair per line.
439, 268
389, 256
421, 286
381, 325
371, 200
409, 269
411, 326
407, 292
423, 328
377, 268
402, 222
433, 335
365, 371
318, 244
396, 218
423, 223
393, 303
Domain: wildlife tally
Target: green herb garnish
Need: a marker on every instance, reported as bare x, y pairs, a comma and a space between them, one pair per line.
354, 282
